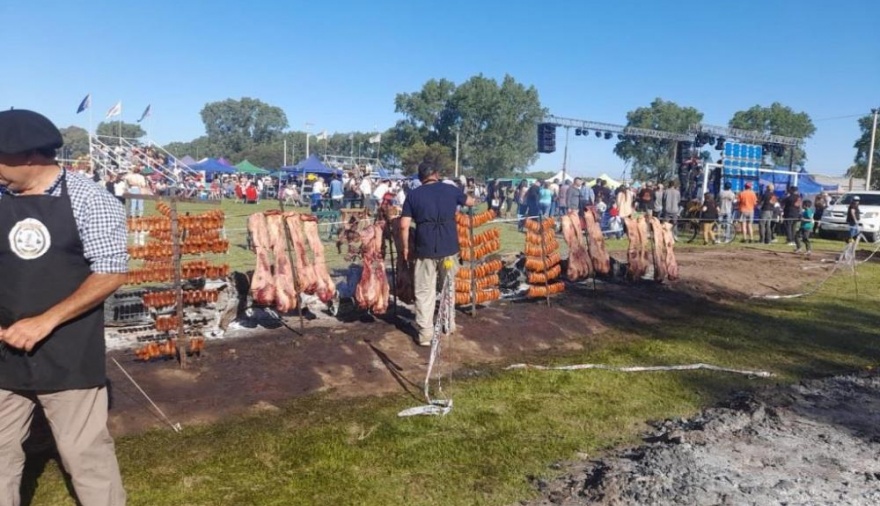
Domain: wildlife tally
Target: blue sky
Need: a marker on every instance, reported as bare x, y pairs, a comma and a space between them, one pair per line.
339, 64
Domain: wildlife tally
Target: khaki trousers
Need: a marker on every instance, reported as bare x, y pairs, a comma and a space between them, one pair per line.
78, 419
429, 276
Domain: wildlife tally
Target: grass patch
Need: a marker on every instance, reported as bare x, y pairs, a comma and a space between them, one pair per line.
506, 426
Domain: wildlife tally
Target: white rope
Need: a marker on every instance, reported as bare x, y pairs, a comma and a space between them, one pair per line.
687, 367
445, 317
174, 426
846, 258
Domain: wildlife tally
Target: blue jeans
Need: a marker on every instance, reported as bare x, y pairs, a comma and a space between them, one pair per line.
521, 210
544, 209
136, 208
853, 231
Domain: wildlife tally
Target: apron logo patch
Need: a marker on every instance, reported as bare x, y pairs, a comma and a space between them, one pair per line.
29, 239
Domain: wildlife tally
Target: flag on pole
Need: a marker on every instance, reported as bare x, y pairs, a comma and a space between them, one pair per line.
376, 138
321, 136
116, 110
145, 114
85, 104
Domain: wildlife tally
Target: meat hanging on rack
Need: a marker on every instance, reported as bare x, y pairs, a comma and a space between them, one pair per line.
543, 291
404, 286
305, 270
325, 286
483, 296
350, 235
579, 265
483, 270
669, 245
285, 294
635, 251
541, 264
535, 226
659, 254
478, 252
596, 244
478, 220
263, 283
536, 278
372, 291
464, 241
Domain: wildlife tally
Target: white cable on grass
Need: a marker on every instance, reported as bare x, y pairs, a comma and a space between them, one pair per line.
653, 368
174, 426
846, 258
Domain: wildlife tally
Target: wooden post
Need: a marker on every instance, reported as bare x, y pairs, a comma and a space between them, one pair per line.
290, 254
473, 263
544, 258
178, 287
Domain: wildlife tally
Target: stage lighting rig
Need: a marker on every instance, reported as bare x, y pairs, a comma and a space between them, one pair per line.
623, 132
745, 136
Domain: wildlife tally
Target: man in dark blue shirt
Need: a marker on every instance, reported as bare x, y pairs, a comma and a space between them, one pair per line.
432, 207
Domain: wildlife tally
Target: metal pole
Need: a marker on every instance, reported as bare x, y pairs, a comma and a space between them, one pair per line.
307, 138
284, 163
565, 155
871, 151
457, 131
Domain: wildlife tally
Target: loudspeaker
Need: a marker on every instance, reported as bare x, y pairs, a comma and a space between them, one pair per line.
546, 137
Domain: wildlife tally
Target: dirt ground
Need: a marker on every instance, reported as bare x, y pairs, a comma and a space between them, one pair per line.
262, 363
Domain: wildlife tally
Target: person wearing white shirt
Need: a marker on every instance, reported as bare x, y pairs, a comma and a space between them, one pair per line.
366, 189
379, 193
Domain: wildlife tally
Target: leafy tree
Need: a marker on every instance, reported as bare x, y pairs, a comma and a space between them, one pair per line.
236, 125
197, 148
435, 154
654, 159
863, 146
117, 129
76, 142
777, 119
496, 123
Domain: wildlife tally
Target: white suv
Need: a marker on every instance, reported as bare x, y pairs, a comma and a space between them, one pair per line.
834, 219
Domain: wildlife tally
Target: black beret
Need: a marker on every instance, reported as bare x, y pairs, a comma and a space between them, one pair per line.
22, 131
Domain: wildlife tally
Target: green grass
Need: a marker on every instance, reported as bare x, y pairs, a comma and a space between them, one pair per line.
506, 426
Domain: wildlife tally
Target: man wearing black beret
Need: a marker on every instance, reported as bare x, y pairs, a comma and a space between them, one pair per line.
62, 252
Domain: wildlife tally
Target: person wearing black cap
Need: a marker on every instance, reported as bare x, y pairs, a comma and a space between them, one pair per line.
432, 207
62, 252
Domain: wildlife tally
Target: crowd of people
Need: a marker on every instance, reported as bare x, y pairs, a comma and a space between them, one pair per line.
760, 217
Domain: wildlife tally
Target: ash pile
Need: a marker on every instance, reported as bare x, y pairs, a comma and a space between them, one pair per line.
813, 443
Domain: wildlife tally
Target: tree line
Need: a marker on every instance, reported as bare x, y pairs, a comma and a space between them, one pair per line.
493, 122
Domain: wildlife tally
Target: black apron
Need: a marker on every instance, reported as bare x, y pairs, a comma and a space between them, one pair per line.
42, 263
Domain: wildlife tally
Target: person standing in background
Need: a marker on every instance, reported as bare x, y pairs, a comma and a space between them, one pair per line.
136, 184
820, 205
806, 228
672, 204
747, 201
726, 198
336, 193
853, 215
768, 204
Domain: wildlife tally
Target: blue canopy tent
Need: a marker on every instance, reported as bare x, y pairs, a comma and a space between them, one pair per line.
392, 176
311, 165
805, 182
212, 167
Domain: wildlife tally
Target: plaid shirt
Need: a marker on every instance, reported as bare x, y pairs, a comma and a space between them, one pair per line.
100, 220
